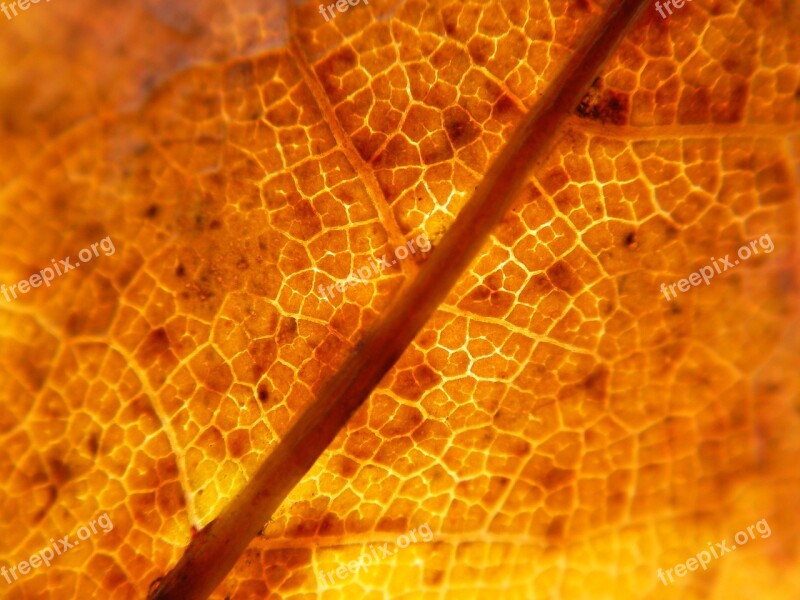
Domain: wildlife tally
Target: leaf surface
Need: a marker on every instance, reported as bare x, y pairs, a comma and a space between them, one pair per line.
563, 428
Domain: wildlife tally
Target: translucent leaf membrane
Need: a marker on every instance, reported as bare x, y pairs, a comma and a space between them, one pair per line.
563, 428
429, 91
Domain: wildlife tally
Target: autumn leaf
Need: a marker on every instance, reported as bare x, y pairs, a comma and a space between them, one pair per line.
565, 429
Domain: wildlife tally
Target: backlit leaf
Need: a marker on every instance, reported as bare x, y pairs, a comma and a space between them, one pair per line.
565, 430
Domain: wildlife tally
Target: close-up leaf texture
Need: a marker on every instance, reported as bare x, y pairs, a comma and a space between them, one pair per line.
564, 427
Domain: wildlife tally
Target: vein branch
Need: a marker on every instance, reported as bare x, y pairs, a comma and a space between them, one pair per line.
365, 172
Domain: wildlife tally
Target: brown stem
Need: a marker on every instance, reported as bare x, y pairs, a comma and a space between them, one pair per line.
214, 551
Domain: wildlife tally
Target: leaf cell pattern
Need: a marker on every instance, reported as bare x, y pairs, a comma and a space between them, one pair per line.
564, 429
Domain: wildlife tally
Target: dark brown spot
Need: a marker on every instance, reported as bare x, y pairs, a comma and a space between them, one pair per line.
330, 525
480, 49
52, 496
93, 444
180, 271
555, 179
731, 110
341, 465
434, 578
263, 394
480, 293
59, 471
238, 442
596, 383
75, 323
505, 110
154, 344
426, 376
604, 105
287, 331
152, 211
557, 478
450, 19
555, 532
459, 126
564, 278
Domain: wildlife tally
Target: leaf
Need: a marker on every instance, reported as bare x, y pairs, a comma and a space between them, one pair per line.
215, 550
564, 429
